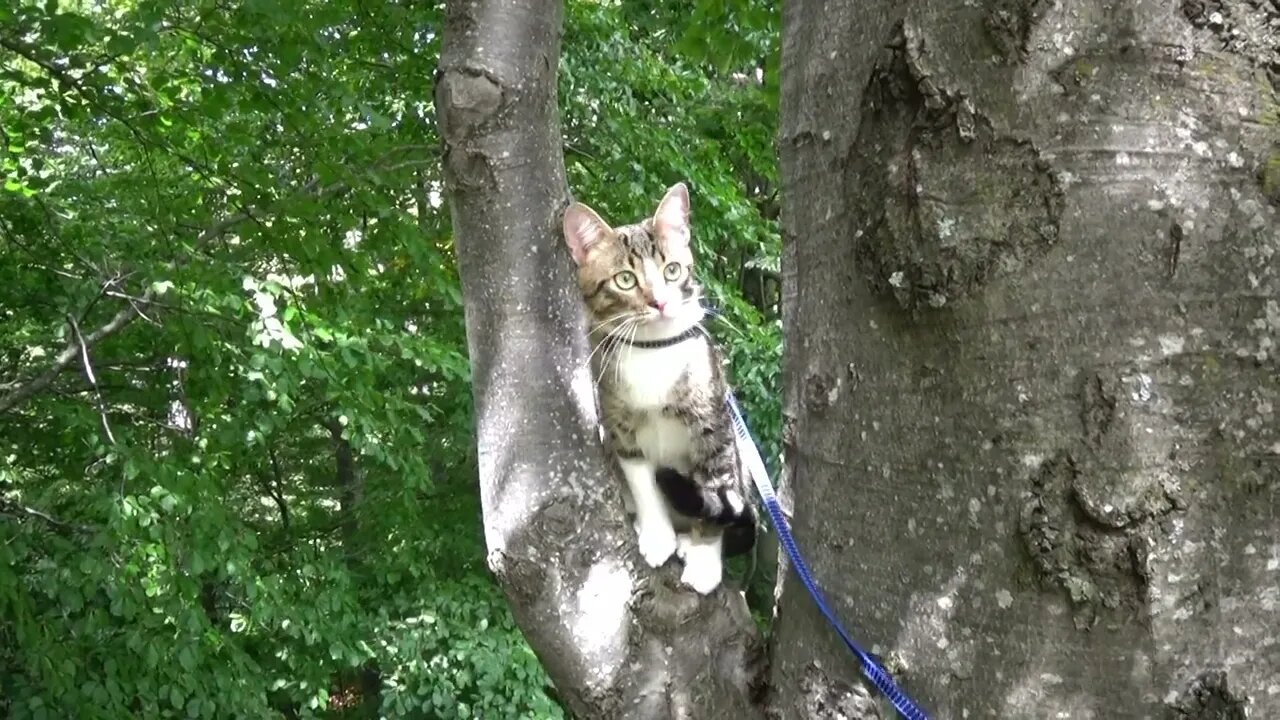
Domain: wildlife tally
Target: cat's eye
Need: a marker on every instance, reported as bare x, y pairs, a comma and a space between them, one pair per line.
672, 271
625, 280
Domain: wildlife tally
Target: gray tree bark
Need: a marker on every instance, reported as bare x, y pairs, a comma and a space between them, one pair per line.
618, 640
1032, 299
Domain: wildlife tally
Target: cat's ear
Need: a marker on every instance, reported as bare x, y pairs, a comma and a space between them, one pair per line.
582, 229
671, 221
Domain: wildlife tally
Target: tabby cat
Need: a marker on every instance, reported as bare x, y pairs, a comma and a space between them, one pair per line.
661, 388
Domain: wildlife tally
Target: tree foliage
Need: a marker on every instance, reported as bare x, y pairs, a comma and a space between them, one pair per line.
236, 463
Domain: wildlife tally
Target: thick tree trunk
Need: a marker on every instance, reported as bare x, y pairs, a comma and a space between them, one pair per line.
617, 639
1031, 310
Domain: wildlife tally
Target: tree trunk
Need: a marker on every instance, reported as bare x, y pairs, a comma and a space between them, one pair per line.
617, 639
1031, 312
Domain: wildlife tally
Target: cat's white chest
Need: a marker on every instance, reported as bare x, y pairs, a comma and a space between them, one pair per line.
647, 378
652, 379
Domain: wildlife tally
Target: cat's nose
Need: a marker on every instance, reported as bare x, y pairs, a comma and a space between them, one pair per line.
658, 305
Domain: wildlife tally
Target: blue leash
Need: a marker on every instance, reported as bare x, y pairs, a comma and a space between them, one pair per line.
870, 668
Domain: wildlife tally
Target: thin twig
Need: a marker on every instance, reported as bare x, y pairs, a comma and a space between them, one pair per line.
18, 512
93, 380
134, 303
276, 491
102, 290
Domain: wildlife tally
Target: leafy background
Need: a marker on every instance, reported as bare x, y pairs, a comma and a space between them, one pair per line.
254, 496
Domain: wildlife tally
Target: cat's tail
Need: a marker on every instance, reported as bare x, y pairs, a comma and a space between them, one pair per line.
728, 507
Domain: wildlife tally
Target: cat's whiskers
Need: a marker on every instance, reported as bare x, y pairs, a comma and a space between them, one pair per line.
616, 332
614, 348
610, 355
627, 347
620, 316
716, 314
617, 366
607, 341
603, 342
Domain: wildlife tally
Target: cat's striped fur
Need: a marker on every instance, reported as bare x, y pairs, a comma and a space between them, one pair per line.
661, 387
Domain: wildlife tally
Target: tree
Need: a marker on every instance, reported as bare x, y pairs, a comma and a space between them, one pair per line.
1031, 275
616, 640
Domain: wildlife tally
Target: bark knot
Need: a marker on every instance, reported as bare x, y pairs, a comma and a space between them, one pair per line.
828, 698
1209, 697
1089, 516
951, 205
471, 98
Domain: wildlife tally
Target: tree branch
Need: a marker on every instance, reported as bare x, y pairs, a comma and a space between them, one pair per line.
348, 481
22, 512
27, 390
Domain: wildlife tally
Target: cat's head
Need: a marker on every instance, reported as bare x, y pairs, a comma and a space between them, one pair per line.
637, 277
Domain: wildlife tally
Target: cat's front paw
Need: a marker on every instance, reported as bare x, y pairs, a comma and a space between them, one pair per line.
702, 571
657, 543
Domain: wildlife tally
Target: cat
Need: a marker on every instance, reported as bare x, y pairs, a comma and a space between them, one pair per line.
661, 388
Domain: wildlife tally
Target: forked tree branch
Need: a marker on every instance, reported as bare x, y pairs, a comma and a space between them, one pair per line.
26, 390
